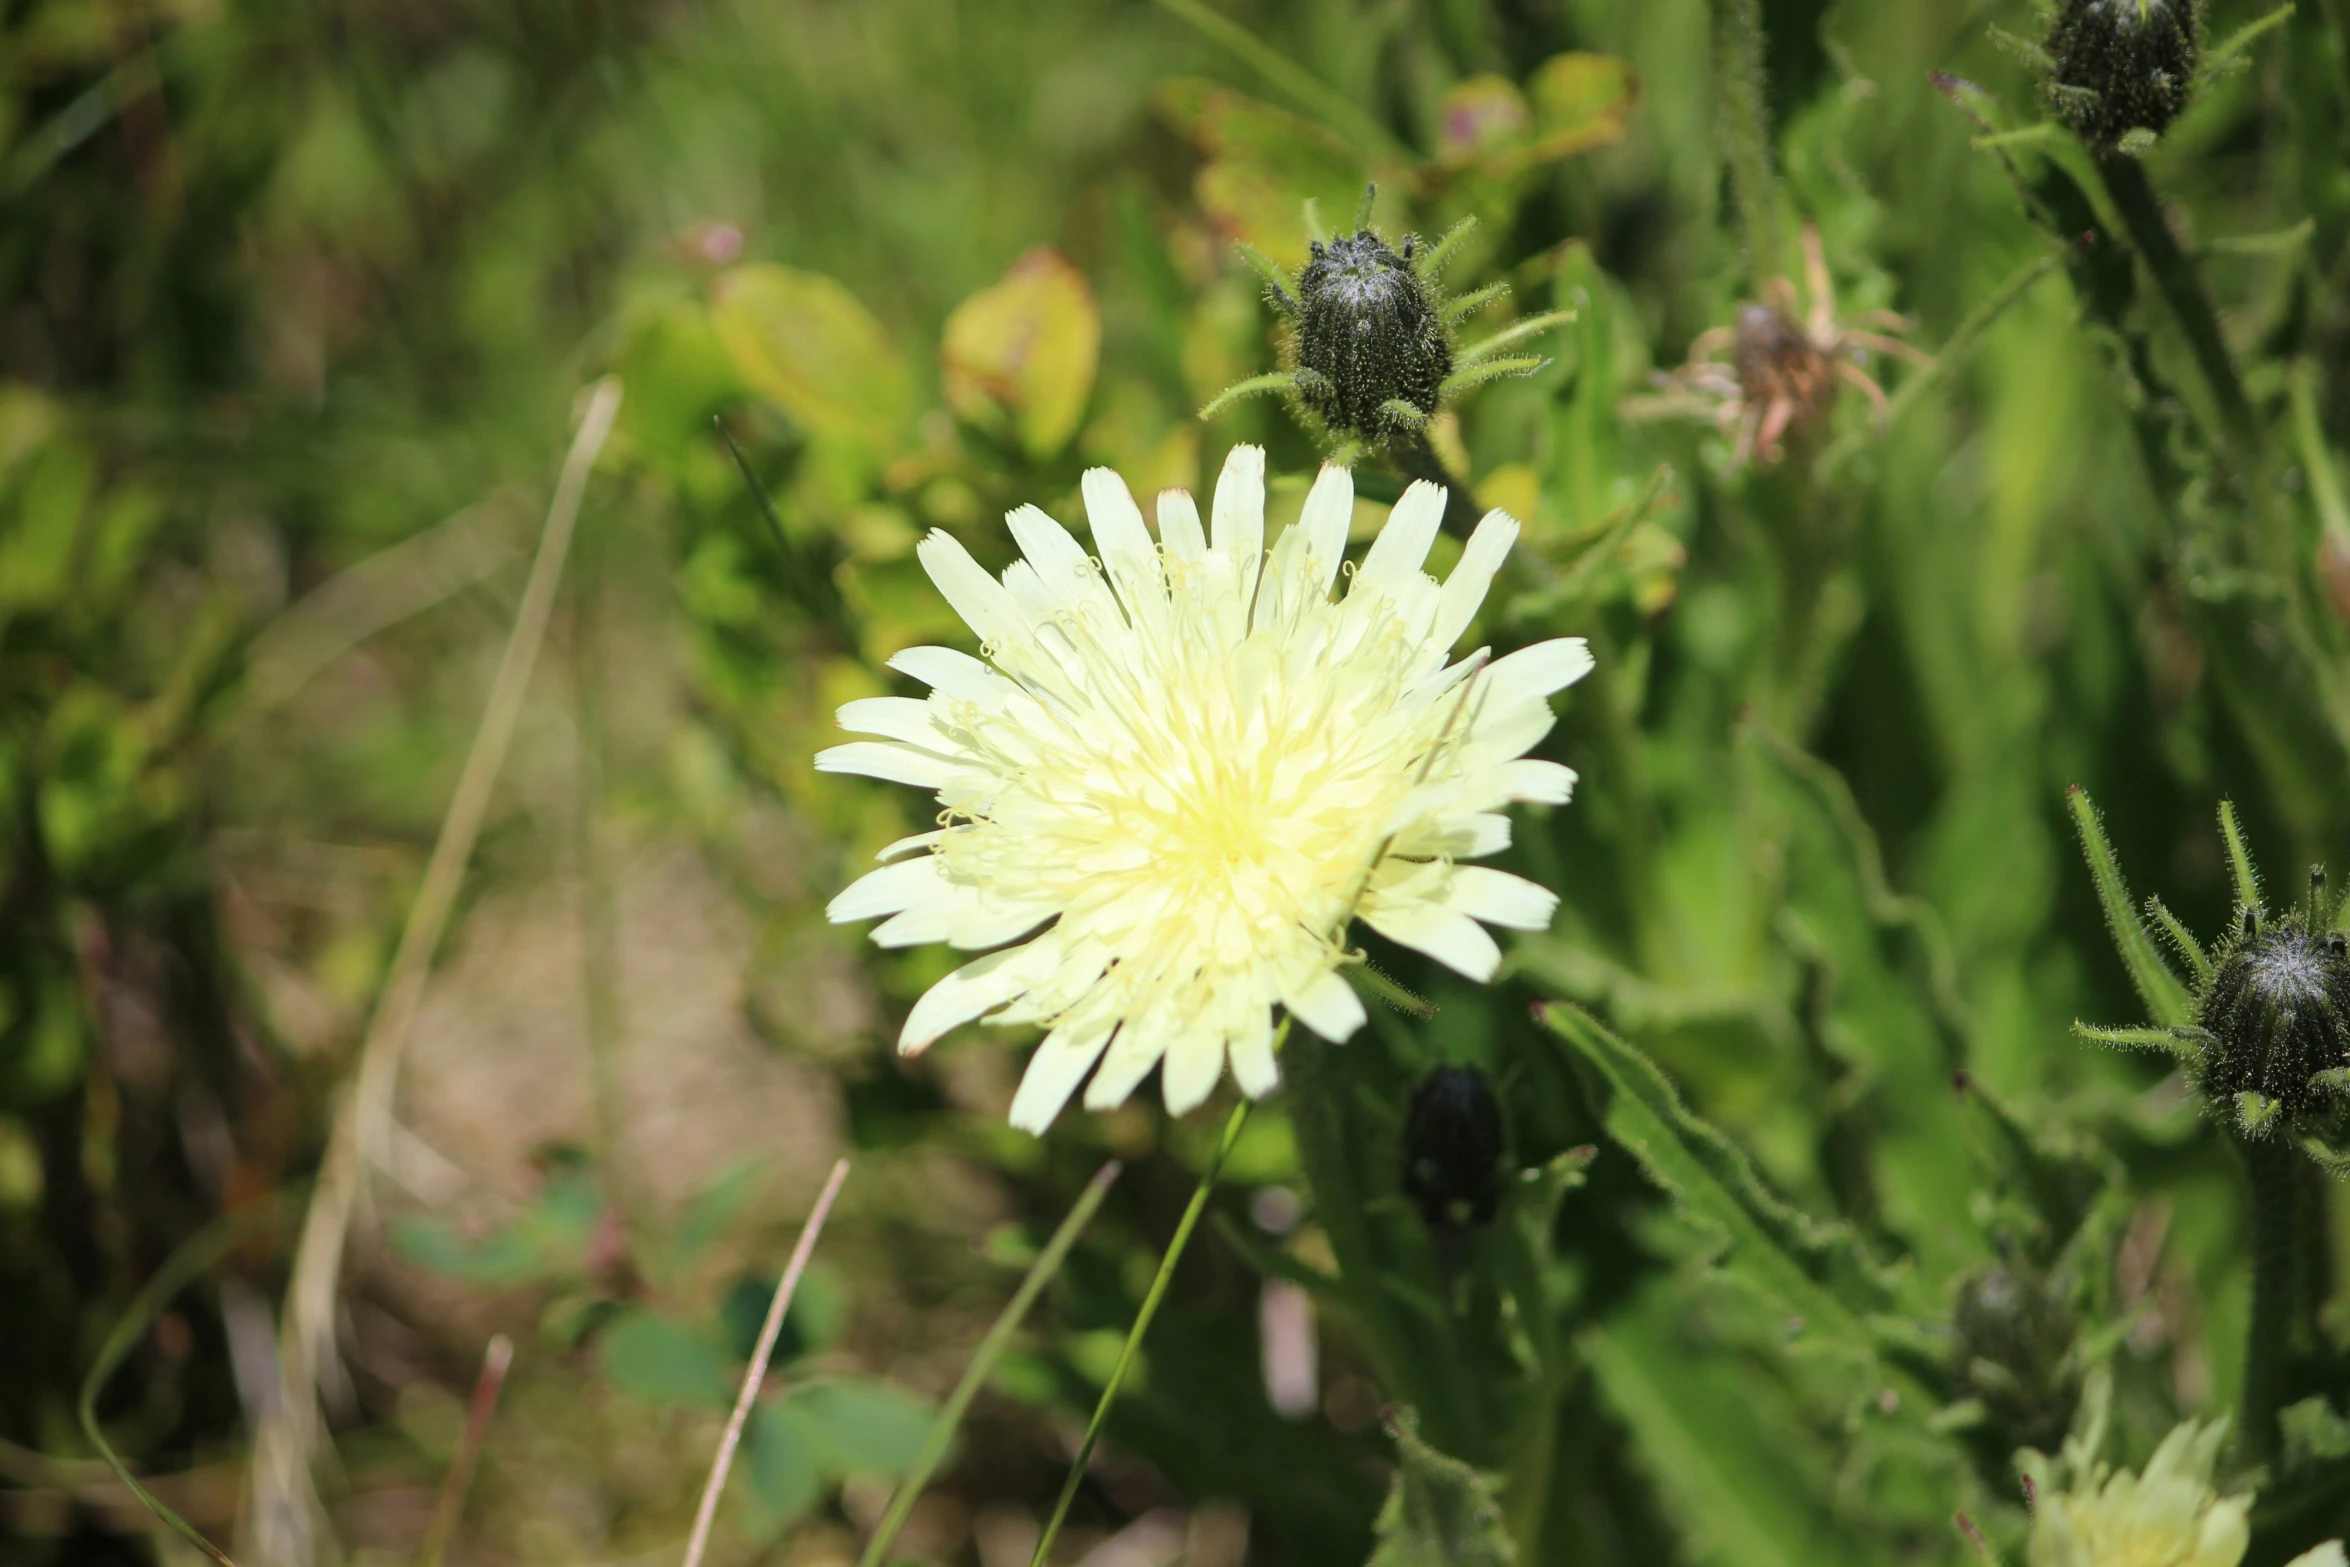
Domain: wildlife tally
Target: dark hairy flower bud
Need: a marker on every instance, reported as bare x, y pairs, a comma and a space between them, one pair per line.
1370, 332
2277, 1014
1453, 1150
2123, 65
2015, 1338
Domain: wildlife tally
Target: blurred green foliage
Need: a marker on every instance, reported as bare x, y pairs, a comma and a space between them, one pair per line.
1821, 1211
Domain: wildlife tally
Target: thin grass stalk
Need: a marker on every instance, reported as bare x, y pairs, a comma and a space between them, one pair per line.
495, 1362
769, 1331
282, 1503
599, 926
1142, 1322
195, 1257
991, 1348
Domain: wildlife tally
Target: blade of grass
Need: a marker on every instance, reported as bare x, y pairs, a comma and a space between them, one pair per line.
991, 1348
196, 1257
280, 1487
1142, 1322
495, 1362
769, 1330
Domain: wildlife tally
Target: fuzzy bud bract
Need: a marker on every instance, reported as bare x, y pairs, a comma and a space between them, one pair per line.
2123, 65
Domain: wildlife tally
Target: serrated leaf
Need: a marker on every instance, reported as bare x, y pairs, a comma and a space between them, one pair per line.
1811, 1270
805, 343
1722, 1470
1439, 1512
1025, 350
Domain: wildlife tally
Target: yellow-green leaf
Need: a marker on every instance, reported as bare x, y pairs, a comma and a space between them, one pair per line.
806, 344
1482, 117
1025, 350
1580, 101
1264, 164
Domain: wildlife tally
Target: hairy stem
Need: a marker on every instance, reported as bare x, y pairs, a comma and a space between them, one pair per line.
2182, 290
1738, 64
2276, 1237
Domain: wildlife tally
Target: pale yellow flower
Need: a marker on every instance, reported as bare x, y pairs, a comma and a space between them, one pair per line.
1192, 766
2087, 1514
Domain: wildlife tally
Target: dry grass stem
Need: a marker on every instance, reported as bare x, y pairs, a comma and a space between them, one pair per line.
283, 1514
707, 1513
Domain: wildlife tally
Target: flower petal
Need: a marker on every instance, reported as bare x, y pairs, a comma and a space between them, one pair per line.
1539, 670
954, 674
1396, 556
1252, 1056
1329, 513
894, 717
888, 762
1060, 562
896, 886
1119, 532
1537, 781
1452, 939
981, 600
1188, 1074
1465, 589
1054, 1072
1138, 1047
1326, 1004
1179, 527
1238, 526
1498, 898
972, 989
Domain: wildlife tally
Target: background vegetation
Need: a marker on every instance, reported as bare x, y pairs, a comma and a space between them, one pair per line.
298, 305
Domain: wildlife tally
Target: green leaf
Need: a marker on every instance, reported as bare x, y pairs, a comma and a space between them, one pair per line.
2158, 987
781, 1464
2313, 1434
1025, 350
1439, 1512
505, 1256
663, 1361
1813, 1271
864, 1426
1723, 1469
807, 344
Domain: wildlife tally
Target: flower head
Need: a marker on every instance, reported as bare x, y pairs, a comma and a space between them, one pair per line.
1193, 767
2168, 1515
2123, 67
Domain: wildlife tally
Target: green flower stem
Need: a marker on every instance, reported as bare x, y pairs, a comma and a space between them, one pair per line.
1738, 63
991, 1349
2182, 290
1142, 1323
2276, 1236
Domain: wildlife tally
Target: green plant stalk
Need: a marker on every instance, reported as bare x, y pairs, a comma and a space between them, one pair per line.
2276, 1236
2182, 290
991, 1348
1142, 1323
1738, 61
196, 1257
599, 927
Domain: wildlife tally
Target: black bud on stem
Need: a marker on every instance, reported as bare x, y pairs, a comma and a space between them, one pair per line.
2123, 65
2278, 1015
1453, 1150
1369, 333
